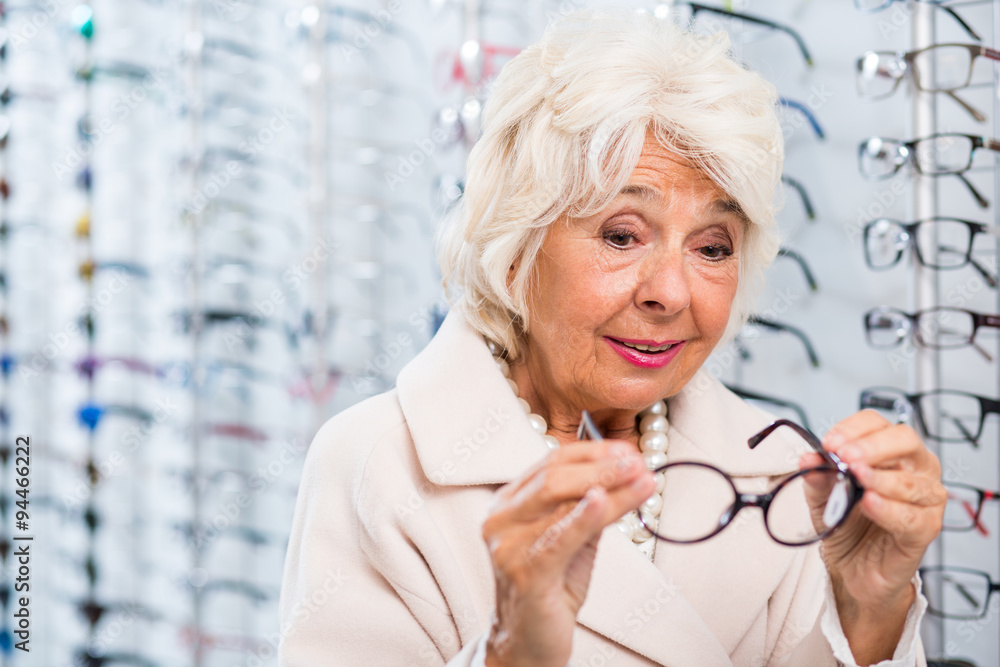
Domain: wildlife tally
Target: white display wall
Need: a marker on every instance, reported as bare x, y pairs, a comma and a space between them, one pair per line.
217, 224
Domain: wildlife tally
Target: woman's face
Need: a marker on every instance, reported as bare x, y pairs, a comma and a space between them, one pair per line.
657, 267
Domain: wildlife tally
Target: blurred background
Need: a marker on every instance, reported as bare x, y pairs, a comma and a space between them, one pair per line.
216, 232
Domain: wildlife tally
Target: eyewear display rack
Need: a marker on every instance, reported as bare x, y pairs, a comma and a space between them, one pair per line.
933, 368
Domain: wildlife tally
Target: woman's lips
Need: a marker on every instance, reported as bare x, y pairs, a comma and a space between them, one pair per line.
645, 359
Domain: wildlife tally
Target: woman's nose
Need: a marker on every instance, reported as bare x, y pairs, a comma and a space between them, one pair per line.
663, 286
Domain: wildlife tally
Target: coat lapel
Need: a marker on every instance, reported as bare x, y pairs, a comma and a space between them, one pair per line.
469, 429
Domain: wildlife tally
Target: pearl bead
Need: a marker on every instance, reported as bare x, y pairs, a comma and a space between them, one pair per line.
504, 367
551, 441
640, 533
654, 423
652, 505
494, 348
538, 423
654, 460
513, 386
524, 405
624, 525
653, 441
661, 481
658, 408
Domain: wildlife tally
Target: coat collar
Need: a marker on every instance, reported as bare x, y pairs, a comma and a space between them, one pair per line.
468, 427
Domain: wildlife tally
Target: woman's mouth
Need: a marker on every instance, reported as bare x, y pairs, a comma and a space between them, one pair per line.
646, 353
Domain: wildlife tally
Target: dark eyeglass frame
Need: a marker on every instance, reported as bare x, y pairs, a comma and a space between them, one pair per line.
937, 3
987, 406
907, 151
801, 261
979, 320
803, 49
993, 587
911, 229
756, 320
797, 185
804, 109
588, 430
909, 57
974, 512
750, 395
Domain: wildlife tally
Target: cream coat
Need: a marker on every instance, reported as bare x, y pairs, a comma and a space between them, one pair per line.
386, 564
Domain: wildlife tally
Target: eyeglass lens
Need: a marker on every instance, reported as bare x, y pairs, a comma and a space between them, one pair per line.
825, 489
942, 67
940, 243
939, 327
941, 154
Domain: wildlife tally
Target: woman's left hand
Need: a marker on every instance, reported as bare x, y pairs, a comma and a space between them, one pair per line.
874, 555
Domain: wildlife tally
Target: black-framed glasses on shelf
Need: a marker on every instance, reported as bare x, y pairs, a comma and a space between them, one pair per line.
773, 403
831, 491
965, 507
965, 592
941, 327
939, 68
944, 415
937, 243
940, 154
870, 6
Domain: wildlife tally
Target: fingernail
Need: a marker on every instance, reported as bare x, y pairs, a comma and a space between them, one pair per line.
620, 450
861, 471
639, 482
834, 440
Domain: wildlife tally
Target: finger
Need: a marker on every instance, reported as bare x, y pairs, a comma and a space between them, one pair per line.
811, 460
856, 426
896, 443
908, 525
549, 551
554, 485
580, 452
901, 485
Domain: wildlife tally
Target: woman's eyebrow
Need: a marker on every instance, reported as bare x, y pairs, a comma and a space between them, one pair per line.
643, 193
730, 206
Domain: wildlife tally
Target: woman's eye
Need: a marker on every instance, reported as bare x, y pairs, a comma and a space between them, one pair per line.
618, 239
716, 251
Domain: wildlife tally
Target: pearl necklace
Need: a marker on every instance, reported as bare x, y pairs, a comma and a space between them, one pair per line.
653, 427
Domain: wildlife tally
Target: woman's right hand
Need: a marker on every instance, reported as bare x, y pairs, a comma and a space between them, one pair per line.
542, 536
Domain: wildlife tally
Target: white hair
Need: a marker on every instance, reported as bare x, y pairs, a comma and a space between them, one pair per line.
563, 130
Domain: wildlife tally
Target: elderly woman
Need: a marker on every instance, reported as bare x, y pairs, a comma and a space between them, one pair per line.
617, 215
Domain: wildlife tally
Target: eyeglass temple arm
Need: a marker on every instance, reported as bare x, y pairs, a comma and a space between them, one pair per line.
961, 427
981, 200
587, 429
795, 331
800, 260
969, 597
973, 111
696, 7
805, 434
980, 269
805, 111
798, 187
780, 402
965, 26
